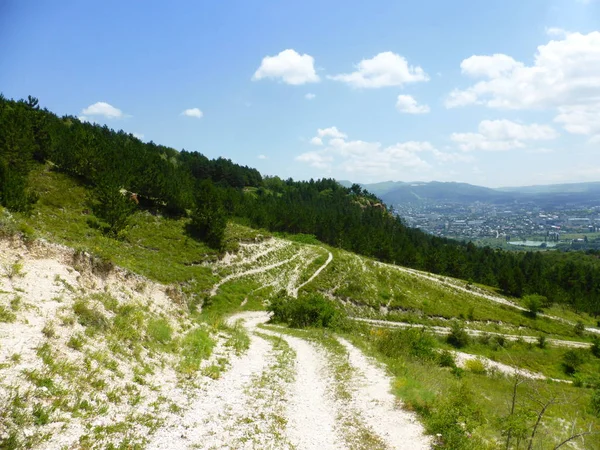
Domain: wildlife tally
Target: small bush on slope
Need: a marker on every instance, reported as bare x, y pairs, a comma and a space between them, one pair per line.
308, 310
415, 342
458, 337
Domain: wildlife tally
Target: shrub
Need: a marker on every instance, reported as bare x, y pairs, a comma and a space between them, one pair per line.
458, 337
308, 310
475, 366
413, 341
13, 190
279, 306
595, 348
595, 402
534, 304
571, 361
209, 219
446, 359
541, 341
579, 328
454, 417
196, 346
112, 207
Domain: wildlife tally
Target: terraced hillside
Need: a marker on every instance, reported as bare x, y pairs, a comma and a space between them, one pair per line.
155, 341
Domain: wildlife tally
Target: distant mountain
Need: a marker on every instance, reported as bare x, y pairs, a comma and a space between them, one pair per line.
555, 188
378, 189
398, 192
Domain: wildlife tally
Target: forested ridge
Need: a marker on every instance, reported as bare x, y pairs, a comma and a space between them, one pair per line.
125, 174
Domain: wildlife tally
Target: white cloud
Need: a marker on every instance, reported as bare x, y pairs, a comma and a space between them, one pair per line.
384, 69
331, 132
372, 159
316, 141
580, 119
140, 136
193, 112
309, 96
506, 129
489, 66
407, 104
499, 135
315, 159
554, 31
564, 77
451, 157
289, 66
262, 157
103, 109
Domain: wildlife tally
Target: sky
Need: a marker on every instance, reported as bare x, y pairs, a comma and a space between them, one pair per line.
494, 93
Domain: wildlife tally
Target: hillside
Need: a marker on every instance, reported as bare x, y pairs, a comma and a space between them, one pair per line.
94, 354
123, 175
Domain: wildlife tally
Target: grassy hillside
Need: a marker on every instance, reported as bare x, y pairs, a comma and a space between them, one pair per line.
466, 403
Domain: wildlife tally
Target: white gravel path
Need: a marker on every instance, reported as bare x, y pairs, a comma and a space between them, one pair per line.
256, 271
446, 330
213, 421
313, 276
461, 359
311, 412
378, 406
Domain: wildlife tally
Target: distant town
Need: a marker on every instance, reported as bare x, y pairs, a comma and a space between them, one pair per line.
509, 225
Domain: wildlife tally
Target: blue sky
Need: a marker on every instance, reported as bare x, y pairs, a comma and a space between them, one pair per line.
493, 93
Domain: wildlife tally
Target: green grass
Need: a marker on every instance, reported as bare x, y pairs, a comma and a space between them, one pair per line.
195, 347
6, 315
547, 361
154, 246
159, 330
444, 397
413, 299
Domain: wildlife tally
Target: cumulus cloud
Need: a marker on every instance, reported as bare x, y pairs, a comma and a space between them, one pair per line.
288, 66
316, 159
331, 132
102, 109
384, 69
193, 112
499, 135
489, 66
262, 157
555, 31
372, 159
564, 77
140, 136
309, 96
580, 119
407, 104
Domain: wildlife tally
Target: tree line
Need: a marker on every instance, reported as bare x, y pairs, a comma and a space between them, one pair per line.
115, 164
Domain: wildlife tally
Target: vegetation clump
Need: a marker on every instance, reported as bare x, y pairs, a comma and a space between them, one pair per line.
308, 310
458, 336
